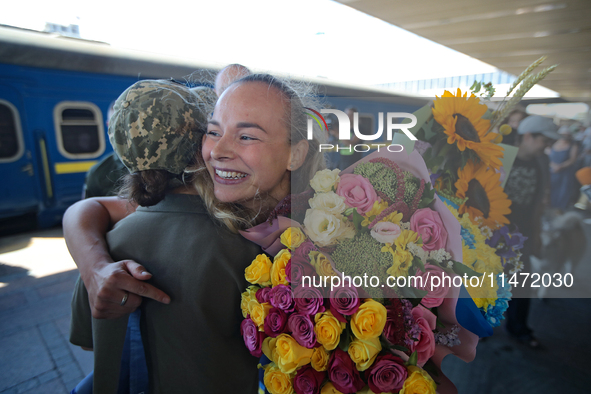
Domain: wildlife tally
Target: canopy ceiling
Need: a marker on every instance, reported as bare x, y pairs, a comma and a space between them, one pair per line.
508, 34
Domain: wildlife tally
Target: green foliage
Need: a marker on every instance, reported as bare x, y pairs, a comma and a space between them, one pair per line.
345, 338
462, 269
487, 89
412, 360
357, 219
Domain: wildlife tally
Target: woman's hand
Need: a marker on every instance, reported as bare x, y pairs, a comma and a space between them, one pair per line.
555, 167
116, 289
85, 225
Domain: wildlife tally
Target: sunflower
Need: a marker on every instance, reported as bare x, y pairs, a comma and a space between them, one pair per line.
461, 118
486, 198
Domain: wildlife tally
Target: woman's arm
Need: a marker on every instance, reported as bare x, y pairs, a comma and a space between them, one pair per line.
85, 225
573, 156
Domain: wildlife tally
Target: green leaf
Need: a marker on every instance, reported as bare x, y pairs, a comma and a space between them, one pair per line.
439, 324
462, 269
412, 360
345, 339
418, 263
357, 219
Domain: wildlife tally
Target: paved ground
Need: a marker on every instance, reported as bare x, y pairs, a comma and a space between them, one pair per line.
37, 277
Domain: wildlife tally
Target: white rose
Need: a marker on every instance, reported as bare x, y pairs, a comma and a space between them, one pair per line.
324, 228
385, 232
329, 202
325, 180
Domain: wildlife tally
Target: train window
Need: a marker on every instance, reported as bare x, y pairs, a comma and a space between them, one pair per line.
11, 141
79, 128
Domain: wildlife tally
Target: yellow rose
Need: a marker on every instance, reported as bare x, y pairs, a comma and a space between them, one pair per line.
247, 296
320, 359
369, 320
292, 237
328, 330
321, 264
364, 352
278, 269
418, 382
288, 354
259, 271
276, 381
258, 312
329, 388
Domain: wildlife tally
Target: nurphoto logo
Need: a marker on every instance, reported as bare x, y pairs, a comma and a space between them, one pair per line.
344, 127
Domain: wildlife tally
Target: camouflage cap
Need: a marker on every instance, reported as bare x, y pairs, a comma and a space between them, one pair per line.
157, 123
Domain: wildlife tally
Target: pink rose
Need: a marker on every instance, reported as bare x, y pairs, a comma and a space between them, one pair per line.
425, 346
387, 374
436, 288
342, 372
427, 223
253, 338
385, 232
357, 191
308, 380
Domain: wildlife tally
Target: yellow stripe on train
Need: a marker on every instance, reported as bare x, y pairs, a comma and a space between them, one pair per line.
74, 166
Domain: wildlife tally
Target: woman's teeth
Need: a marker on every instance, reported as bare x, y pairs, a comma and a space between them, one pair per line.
230, 175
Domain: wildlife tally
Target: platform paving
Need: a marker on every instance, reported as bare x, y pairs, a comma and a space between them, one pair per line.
37, 276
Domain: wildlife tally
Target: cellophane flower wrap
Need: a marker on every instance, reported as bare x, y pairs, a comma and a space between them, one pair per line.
361, 296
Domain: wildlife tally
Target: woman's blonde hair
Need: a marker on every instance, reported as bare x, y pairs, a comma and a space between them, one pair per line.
297, 100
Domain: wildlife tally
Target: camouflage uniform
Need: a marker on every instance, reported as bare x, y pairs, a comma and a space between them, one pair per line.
156, 124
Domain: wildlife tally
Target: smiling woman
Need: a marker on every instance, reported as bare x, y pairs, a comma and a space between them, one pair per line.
254, 144
255, 149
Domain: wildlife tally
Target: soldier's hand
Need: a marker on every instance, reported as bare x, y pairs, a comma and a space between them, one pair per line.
117, 289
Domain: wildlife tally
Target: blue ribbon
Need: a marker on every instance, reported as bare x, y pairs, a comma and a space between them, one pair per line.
470, 317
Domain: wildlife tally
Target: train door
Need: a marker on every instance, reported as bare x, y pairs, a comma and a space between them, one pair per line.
18, 189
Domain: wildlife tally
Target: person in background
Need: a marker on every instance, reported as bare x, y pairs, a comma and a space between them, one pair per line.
513, 119
525, 189
229, 74
563, 157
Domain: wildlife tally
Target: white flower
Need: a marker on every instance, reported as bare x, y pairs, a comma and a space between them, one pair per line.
439, 255
385, 232
518, 267
325, 180
487, 232
324, 228
418, 251
329, 202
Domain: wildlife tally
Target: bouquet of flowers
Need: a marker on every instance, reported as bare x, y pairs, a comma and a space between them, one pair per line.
362, 297
460, 141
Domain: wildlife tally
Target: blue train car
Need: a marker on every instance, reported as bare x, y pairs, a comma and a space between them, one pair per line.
55, 93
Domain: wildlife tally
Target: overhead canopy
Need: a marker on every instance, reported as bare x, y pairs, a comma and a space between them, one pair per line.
508, 34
